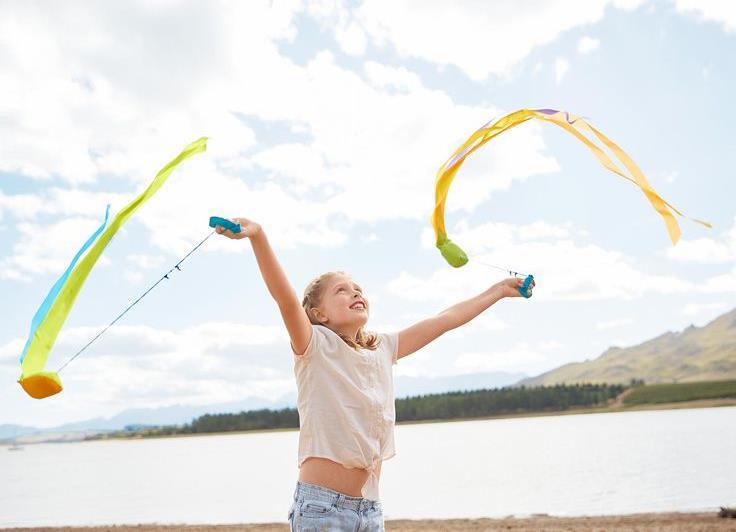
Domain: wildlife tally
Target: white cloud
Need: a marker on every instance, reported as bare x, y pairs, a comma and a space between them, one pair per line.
351, 39
717, 250
709, 309
587, 45
133, 277
522, 357
628, 5
501, 234
722, 11
76, 107
21, 205
55, 201
719, 284
349, 133
47, 248
562, 65
613, 324
139, 366
448, 34
336, 16
669, 177
540, 230
382, 76
146, 261
8, 273
11, 351
564, 270
480, 325
124, 114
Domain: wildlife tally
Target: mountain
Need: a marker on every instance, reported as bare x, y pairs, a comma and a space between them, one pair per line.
173, 415
11, 431
695, 354
168, 415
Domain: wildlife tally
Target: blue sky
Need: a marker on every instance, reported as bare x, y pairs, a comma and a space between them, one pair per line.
327, 123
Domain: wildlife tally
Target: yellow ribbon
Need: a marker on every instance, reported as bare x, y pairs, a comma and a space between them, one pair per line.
35, 381
574, 125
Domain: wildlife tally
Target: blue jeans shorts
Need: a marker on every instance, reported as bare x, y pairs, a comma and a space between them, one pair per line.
316, 508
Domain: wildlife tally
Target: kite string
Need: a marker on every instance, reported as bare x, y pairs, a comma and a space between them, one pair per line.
511, 272
165, 276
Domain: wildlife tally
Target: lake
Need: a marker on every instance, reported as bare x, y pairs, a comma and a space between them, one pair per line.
614, 463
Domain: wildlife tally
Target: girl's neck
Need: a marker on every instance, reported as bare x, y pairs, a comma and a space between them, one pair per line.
348, 332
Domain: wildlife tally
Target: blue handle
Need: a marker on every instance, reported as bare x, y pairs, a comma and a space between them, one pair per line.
524, 288
224, 222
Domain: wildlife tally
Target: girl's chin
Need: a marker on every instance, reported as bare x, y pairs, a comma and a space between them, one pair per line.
360, 319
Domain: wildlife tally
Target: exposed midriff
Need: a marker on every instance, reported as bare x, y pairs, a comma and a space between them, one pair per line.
329, 474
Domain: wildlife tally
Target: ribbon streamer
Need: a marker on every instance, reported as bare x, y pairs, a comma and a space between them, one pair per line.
44, 308
575, 125
53, 312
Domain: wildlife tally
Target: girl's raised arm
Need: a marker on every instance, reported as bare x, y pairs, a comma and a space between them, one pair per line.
295, 319
420, 334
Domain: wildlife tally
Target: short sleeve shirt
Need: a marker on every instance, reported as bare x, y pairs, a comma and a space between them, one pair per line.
346, 402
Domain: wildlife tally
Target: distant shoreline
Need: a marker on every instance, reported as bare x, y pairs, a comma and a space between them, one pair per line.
666, 521
700, 403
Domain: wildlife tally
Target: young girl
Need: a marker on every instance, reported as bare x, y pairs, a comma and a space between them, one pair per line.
345, 386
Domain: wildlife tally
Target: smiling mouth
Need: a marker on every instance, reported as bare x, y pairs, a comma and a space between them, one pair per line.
358, 306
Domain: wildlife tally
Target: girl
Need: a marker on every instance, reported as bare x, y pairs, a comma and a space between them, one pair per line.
345, 386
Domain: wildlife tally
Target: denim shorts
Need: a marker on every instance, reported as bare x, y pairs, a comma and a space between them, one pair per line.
316, 508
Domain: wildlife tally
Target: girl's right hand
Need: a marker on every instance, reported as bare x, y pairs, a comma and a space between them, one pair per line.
510, 287
248, 229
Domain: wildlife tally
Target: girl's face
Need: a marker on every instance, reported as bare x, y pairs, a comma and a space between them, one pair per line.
343, 304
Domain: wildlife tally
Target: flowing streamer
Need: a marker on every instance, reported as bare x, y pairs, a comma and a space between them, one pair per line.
34, 379
44, 308
575, 125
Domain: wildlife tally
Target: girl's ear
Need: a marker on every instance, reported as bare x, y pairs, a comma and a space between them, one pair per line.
317, 314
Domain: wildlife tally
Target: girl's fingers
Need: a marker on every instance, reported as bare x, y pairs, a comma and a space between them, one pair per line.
222, 231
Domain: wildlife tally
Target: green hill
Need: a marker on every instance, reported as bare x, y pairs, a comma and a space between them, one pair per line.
682, 391
695, 354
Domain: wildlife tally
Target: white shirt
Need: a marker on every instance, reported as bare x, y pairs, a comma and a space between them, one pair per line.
346, 402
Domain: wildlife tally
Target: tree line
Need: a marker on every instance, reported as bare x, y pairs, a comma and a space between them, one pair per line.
443, 406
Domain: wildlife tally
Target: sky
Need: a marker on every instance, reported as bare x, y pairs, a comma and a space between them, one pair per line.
327, 124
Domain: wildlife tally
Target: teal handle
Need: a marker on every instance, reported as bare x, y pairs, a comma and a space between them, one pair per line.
224, 222
524, 288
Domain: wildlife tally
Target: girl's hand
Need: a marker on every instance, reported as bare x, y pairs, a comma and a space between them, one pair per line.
510, 287
248, 229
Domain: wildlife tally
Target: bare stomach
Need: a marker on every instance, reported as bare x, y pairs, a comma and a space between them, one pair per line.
326, 473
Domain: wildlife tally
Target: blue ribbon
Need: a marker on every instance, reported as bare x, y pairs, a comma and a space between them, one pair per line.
46, 305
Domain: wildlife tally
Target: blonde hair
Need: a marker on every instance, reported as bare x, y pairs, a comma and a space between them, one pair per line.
313, 298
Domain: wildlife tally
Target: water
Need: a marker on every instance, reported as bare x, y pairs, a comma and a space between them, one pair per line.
648, 461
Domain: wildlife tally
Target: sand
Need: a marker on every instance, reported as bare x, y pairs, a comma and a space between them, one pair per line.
657, 522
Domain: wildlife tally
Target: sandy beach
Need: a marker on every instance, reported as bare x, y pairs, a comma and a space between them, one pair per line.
691, 522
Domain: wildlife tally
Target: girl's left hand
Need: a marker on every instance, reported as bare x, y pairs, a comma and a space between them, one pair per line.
510, 287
